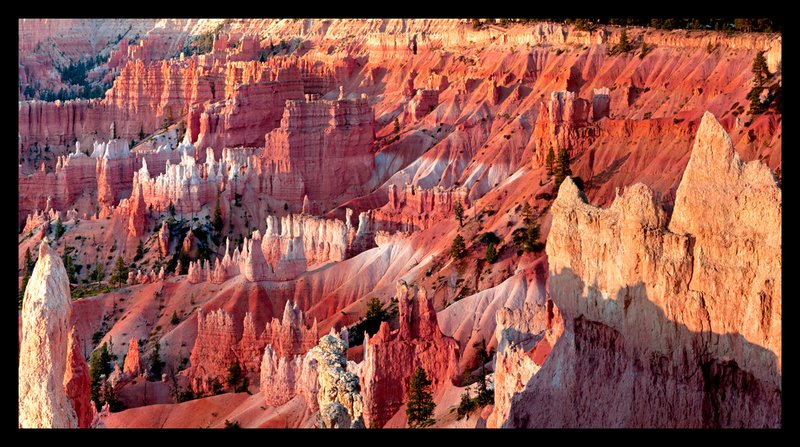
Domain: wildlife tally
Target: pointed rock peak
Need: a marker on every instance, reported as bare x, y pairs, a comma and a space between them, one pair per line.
44, 250
718, 190
712, 147
287, 312
568, 191
46, 312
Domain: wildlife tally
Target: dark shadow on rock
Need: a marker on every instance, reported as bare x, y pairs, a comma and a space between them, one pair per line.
645, 370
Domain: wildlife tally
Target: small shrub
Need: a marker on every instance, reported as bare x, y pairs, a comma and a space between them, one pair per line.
466, 407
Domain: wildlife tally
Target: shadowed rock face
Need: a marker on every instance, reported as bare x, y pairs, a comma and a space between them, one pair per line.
46, 310
77, 382
673, 327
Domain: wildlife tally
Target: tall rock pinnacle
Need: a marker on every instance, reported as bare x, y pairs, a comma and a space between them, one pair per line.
43, 403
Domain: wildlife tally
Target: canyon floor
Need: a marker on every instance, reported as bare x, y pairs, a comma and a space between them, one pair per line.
332, 223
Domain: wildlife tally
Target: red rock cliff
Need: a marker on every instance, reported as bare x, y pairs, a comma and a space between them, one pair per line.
77, 383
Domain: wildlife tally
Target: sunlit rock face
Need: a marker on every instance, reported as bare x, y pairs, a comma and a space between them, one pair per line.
667, 324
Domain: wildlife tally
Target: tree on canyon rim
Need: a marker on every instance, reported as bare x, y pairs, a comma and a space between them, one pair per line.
419, 408
760, 75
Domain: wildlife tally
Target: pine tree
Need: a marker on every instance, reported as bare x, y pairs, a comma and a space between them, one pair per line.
25, 277
485, 395
174, 320
69, 266
396, 125
527, 213
155, 361
491, 253
562, 170
532, 234
375, 310
29, 264
548, 161
216, 221
99, 272
458, 249
760, 75
216, 386
623, 44
120, 273
139, 251
760, 70
59, 228
98, 366
419, 408
458, 209
235, 377
110, 397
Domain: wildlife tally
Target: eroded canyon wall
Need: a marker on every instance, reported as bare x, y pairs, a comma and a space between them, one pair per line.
666, 325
